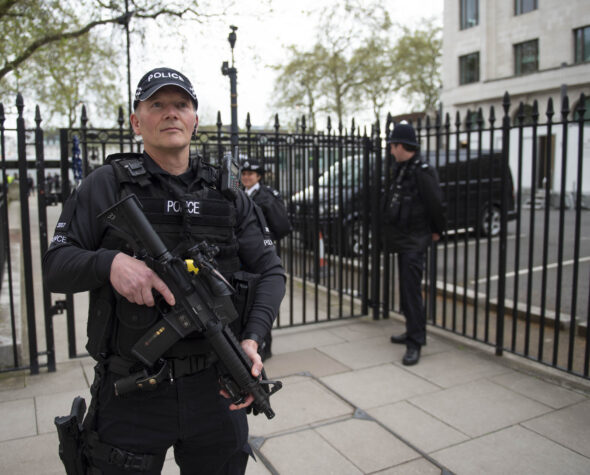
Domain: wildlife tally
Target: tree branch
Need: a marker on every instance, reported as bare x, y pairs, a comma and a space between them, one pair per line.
5, 6
45, 40
54, 37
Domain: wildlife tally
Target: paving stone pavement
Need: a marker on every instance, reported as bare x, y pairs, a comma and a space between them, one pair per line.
348, 406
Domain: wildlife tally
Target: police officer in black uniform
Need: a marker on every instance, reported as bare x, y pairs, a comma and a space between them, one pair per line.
414, 217
265, 196
273, 207
181, 197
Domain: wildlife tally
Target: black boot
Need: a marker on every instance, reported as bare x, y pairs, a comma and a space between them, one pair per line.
399, 339
412, 356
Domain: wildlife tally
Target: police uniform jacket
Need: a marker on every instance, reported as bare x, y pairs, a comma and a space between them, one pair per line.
80, 257
413, 208
273, 207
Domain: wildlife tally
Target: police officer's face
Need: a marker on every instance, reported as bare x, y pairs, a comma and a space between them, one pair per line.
250, 178
400, 153
165, 121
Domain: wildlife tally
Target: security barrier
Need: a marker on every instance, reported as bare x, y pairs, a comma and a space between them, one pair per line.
511, 271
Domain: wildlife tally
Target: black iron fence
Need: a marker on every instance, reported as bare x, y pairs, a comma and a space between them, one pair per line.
511, 270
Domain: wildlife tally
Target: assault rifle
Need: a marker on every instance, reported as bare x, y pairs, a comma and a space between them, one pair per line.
203, 304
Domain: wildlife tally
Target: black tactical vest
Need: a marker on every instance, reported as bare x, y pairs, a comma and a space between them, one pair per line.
406, 223
182, 219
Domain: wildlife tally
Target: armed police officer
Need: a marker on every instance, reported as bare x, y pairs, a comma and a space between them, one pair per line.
182, 199
275, 213
414, 217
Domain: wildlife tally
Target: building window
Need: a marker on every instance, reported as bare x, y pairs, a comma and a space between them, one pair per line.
469, 13
469, 68
524, 6
582, 44
526, 57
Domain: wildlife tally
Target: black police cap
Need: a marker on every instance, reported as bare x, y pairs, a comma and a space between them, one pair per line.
157, 78
253, 166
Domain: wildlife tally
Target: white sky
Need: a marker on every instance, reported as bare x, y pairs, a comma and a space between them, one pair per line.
260, 44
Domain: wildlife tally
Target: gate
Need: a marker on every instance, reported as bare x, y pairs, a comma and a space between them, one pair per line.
486, 279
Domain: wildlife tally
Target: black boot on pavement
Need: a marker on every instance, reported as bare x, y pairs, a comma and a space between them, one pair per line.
412, 356
399, 339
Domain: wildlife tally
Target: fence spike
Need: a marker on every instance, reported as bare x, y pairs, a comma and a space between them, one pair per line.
329, 125
447, 121
248, 123
480, 118
303, 123
277, 123
492, 118
2, 117
468, 119
84, 116
550, 110
506, 102
121, 119
535, 114
20, 104
219, 123
565, 107
457, 120
38, 116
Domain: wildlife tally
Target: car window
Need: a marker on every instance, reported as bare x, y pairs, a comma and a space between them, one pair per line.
351, 173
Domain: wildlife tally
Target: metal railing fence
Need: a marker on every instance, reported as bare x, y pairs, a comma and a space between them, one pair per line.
511, 271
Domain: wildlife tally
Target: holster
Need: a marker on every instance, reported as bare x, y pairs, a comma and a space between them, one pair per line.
71, 439
245, 284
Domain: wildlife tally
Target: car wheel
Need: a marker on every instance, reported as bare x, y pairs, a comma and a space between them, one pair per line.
489, 222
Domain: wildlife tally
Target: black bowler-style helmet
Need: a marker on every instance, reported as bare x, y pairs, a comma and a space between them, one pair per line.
252, 165
403, 133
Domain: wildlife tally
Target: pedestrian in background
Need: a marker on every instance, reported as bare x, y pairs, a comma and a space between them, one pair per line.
414, 217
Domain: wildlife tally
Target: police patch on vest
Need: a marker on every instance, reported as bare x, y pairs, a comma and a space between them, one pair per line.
174, 207
59, 239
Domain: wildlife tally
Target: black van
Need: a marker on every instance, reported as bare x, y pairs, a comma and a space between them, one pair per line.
471, 187
472, 191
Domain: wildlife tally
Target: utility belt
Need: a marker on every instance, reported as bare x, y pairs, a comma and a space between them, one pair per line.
166, 369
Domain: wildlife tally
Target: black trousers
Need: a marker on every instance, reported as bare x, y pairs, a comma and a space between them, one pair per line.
411, 270
188, 415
